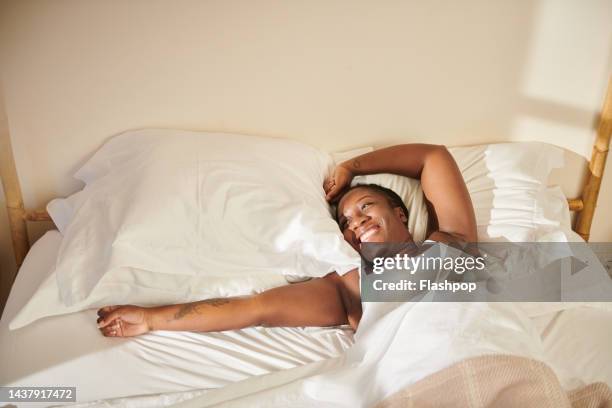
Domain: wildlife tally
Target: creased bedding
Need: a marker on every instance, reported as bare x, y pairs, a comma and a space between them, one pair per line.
423, 355
397, 344
69, 350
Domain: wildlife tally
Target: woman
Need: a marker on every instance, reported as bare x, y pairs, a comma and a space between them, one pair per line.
365, 214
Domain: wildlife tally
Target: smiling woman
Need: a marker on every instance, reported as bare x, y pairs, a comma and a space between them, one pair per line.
371, 213
371, 197
451, 212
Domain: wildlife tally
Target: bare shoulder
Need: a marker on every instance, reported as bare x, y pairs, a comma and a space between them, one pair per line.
351, 279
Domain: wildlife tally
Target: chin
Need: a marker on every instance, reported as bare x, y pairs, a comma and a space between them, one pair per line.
372, 240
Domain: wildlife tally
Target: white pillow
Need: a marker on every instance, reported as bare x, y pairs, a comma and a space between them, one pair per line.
61, 210
195, 215
507, 183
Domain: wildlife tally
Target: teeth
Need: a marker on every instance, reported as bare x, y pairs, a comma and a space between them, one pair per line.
367, 234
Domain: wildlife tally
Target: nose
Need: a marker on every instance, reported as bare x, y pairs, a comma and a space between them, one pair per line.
358, 221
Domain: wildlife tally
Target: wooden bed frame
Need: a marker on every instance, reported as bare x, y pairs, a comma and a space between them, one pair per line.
583, 205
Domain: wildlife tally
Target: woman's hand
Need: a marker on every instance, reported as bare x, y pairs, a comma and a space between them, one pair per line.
340, 179
124, 321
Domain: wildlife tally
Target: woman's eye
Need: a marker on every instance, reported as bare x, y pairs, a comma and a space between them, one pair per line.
366, 205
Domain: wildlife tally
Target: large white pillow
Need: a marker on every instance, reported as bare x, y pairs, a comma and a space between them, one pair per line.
508, 185
195, 215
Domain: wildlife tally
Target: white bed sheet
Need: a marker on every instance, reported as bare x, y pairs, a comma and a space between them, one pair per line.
578, 344
69, 350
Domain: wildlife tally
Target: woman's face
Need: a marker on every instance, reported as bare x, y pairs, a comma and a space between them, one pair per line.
365, 215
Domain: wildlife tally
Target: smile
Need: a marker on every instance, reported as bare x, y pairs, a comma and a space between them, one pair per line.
365, 236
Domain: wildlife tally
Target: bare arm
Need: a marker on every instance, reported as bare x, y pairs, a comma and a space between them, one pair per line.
327, 301
441, 180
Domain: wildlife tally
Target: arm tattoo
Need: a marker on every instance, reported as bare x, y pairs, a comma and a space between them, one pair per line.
196, 307
356, 164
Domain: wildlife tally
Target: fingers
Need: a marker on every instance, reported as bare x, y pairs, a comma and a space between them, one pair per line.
332, 193
328, 184
107, 318
330, 187
336, 183
106, 309
113, 329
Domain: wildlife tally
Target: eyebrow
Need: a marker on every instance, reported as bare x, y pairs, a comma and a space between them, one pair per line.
367, 195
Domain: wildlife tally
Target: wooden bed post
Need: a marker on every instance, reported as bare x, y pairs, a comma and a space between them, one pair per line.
597, 166
14, 201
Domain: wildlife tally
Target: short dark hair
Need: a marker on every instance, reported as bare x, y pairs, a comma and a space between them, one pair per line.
392, 197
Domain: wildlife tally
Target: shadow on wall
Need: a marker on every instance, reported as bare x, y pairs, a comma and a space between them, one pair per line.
8, 267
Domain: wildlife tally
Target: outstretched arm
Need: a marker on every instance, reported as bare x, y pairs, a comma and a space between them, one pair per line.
441, 181
327, 301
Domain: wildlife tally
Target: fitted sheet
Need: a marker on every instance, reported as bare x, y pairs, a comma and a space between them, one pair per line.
68, 350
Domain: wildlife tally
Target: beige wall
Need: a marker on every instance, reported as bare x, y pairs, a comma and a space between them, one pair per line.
337, 74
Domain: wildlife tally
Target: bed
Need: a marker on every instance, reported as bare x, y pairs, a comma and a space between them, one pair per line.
273, 366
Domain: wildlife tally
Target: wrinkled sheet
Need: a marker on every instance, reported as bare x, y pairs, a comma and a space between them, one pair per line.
69, 350
397, 344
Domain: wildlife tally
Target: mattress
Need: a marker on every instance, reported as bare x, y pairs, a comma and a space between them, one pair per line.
69, 350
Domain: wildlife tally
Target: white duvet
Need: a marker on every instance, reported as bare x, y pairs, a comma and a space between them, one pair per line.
395, 348
398, 344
